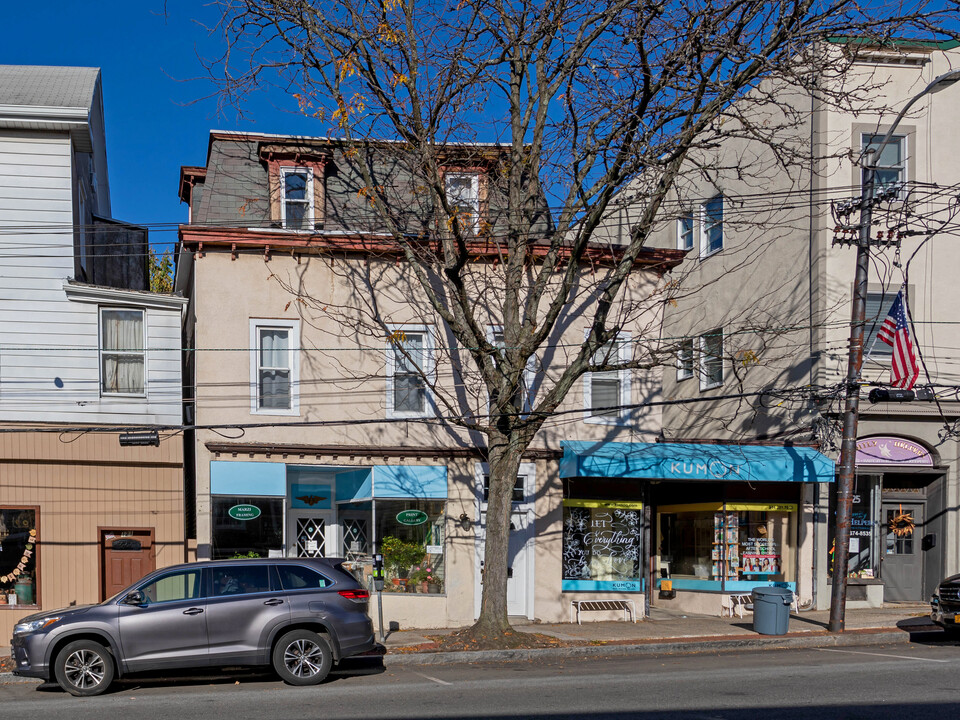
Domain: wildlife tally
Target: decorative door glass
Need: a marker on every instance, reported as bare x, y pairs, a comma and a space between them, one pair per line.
311, 537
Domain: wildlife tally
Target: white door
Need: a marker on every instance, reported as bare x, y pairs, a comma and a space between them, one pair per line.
311, 533
520, 568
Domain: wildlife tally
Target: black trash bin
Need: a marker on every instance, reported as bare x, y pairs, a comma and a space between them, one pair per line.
771, 610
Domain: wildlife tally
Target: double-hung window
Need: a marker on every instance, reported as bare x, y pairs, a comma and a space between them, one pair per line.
711, 359
409, 365
297, 206
605, 393
122, 352
685, 231
890, 168
685, 359
274, 366
711, 226
495, 338
463, 196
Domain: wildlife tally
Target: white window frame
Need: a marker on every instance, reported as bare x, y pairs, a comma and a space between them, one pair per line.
293, 328
706, 227
475, 195
901, 169
429, 372
529, 372
685, 236
143, 353
685, 366
624, 377
297, 170
705, 384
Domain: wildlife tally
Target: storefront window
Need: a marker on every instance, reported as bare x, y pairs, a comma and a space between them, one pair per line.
735, 545
602, 545
246, 526
410, 535
19, 534
864, 537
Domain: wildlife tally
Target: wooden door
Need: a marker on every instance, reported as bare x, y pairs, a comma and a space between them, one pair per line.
126, 555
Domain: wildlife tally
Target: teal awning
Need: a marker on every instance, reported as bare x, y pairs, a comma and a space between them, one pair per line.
694, 461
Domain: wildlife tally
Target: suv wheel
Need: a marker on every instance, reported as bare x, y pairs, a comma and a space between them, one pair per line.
302, 657
84, 668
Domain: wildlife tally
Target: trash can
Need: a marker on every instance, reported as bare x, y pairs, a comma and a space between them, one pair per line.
771, 610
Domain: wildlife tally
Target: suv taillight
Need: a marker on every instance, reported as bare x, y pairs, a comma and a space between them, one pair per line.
355, 595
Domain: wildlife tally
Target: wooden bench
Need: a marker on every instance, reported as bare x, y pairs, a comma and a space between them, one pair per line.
600, 605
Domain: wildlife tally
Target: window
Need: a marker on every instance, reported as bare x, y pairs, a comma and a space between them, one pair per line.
19, 534
122, 355
685, 359
410, 535
711, 360
602, 545
297, 577
685, 231
254, 526
604, 391
173, 587
240, 579
274, 365
297, 206
878, 307
463, 195
711, 230
409, 364
519, 489
890, 165
495, 337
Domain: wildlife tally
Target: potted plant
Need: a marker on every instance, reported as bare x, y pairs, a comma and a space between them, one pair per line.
424, 578
400, 555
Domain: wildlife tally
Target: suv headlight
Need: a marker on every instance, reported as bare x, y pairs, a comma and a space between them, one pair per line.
34, 625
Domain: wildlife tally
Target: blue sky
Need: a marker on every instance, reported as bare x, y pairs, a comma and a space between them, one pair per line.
156, 115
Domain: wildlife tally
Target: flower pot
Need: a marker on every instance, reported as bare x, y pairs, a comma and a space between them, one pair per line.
433, 588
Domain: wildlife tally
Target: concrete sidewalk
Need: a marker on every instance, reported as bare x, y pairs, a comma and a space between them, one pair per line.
665, 632
670, 632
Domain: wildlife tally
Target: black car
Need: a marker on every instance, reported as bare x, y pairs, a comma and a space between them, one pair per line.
298, 615
945, 604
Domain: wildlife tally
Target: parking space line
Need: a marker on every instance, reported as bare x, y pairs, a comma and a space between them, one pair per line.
901, 657
436, 680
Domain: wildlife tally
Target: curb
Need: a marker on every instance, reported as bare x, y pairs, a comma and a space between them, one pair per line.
656, 647
861, 637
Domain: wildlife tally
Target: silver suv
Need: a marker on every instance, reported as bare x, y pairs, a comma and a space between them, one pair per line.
298, 615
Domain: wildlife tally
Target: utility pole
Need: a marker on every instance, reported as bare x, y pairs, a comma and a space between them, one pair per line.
851, 414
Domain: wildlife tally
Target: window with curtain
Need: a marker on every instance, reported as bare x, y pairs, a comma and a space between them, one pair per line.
273, 371
122, 353
463, 195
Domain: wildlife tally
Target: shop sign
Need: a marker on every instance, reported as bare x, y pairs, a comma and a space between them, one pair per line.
411, 517
244, 512
890, 450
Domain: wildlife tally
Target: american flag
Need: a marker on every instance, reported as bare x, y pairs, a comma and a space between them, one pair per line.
895, 332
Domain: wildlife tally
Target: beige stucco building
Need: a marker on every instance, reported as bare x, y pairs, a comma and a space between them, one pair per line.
762, 334
314, 437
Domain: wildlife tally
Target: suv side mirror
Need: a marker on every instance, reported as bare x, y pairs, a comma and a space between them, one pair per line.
134, 598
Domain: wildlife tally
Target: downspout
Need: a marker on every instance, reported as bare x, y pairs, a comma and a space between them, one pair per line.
811, 313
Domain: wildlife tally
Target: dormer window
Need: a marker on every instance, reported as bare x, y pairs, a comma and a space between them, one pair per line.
463, 196
296, 176
297, 209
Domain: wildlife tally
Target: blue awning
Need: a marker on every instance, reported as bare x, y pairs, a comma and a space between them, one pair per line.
694, 461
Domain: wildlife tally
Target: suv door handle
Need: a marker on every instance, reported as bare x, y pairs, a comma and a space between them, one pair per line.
193, 611
274, 601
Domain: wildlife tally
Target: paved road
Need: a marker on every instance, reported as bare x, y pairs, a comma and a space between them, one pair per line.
905, 682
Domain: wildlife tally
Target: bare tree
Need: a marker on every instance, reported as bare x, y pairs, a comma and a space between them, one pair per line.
592, 107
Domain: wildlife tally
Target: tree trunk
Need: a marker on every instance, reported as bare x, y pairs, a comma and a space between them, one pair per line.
504, 462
